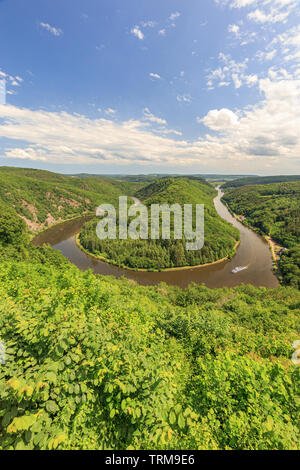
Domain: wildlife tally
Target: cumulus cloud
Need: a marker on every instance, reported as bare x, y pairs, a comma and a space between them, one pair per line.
26, 154
256, 135
220, 120
51, 29
268, 129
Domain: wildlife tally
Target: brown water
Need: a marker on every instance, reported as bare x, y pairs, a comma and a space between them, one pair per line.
252, 252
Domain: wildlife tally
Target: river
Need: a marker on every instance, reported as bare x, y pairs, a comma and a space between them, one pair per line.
252, 252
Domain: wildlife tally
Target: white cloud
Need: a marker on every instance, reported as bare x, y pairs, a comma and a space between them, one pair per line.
266, 55
184, 98
110, 111
219, 120
229, 71
247, 139
10, 81
155, 75
100, 47
136, 31
267, 11
242, 3
268, 129
26, 154
236, 80
165, 131
273, 16
148, 24
175, 15
148, 116
250, 79
234, 28
162, 32
51, 29
288, 43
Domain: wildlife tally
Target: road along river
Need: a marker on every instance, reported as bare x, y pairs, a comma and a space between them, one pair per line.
252, 252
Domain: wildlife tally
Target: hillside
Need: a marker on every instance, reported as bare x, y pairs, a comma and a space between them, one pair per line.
43, 198
98, 363
245, 181
220, 236
274, 209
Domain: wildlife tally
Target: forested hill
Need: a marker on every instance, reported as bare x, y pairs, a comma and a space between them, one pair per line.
260, 180
42, 198
92, 362
168, 190
220, 236
275, 210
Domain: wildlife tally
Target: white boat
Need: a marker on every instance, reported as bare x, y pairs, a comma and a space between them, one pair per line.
238, 269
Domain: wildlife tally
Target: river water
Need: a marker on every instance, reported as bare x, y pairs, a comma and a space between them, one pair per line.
252, 252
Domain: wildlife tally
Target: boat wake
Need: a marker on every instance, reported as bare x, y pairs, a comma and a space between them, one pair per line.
238, 269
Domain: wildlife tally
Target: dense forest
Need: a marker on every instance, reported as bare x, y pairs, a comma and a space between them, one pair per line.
42, 198
245, 181
220, 236
274, 209
92, 362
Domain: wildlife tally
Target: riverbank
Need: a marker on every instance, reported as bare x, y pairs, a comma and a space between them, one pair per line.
179, 268
272, 244
32, 235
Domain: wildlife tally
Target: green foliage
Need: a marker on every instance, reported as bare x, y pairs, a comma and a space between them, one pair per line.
220, 236
98, 363
274, 209
289, 264
92, 362
42, 197
12, 227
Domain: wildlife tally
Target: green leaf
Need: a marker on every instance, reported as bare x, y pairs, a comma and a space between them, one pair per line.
51, 406
181, 421
172, 417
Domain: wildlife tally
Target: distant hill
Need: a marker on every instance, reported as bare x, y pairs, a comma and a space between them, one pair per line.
260, 180
154, 176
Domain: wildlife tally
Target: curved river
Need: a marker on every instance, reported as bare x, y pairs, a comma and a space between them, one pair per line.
253, 252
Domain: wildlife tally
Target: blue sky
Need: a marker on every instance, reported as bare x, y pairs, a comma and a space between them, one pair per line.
115, 86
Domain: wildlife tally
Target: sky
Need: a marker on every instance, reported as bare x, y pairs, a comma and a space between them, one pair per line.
148, 86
